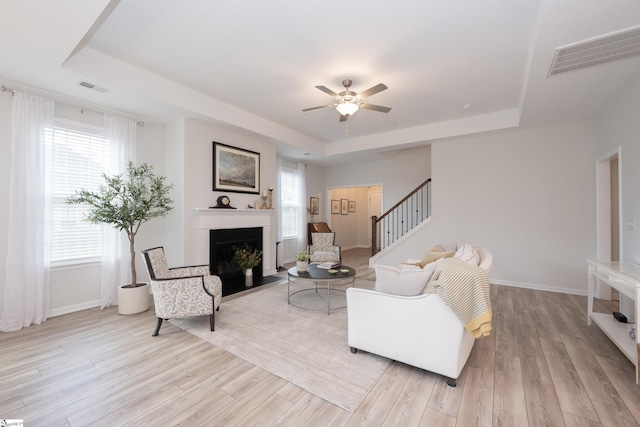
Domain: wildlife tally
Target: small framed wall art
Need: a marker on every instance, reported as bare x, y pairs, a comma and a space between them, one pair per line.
314, 206
235, 169
335, 207
344, 209
352, 206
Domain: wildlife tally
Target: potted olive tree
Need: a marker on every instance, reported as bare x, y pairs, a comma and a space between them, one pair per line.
126, 202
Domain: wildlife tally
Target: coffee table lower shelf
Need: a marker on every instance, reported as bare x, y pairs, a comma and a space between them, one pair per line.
323, 285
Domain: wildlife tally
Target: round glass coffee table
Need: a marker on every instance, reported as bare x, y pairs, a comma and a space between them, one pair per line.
324, 284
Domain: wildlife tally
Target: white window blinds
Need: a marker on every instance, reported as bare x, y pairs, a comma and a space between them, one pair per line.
79, 157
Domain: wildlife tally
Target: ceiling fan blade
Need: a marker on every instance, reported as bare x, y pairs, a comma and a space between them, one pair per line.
372, 91
317, 108
327, 91
343, 118
375, 108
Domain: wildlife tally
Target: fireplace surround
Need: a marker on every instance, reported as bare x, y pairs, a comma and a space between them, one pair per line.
226, 221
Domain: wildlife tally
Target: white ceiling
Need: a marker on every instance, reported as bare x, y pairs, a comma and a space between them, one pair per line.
253, 64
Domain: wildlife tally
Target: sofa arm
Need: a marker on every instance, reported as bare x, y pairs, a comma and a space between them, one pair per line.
420, 330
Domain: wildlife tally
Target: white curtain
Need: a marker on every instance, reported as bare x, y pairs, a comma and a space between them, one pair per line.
302, 212
26, 290
279, 163
115, 263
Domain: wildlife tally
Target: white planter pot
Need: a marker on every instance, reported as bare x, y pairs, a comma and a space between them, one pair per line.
248, 277
133, 300
302, 266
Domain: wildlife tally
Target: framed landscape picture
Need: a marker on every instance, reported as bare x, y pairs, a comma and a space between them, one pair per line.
235, 169
335, 206
352, 206
344, 210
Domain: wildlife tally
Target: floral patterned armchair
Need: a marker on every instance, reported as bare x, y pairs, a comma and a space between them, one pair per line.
323, 248
181, 291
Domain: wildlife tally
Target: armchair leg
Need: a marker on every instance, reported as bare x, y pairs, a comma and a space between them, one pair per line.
353, 350
212, 320
155, 334
451, 382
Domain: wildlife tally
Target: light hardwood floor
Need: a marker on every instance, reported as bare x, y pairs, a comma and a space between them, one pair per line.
542, 365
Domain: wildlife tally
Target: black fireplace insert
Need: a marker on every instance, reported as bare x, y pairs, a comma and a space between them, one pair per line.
222, 244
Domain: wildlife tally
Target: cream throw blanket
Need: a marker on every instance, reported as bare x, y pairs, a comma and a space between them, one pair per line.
465, 289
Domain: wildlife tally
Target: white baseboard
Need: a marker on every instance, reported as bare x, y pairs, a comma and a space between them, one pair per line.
73, 308
538, 287
346, 248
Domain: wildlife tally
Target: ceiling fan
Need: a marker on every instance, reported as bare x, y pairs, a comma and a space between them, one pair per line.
348, 101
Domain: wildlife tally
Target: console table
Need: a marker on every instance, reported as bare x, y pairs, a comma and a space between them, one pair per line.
625, 277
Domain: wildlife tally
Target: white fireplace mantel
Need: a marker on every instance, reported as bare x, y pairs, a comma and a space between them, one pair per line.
215, 219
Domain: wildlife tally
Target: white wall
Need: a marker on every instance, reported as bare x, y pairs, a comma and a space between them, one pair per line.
316, 187
174, 169
619, 126
526, 195
198, 180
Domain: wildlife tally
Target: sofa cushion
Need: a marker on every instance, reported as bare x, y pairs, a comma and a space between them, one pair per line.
409, 266
448, 247
434, 254
401, 281
467, 253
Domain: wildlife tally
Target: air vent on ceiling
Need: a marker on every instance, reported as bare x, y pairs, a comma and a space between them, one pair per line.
599, 50
94, 87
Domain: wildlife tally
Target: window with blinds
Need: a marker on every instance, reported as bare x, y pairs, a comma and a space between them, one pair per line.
79, 156
289, 203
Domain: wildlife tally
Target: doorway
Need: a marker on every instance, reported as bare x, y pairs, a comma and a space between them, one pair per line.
608, 213
352, 220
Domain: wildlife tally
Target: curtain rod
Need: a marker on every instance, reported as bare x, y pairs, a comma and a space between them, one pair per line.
82, 110
4, 88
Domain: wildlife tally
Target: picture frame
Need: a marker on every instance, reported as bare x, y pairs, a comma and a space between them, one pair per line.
344, 209
314, 206
235, 169
352, 206
335, 207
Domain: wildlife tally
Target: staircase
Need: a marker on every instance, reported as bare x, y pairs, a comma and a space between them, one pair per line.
414, 208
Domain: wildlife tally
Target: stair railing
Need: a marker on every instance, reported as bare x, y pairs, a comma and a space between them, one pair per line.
402, 217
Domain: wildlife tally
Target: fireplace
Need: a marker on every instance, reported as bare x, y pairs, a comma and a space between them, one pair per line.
231, 225
222, 245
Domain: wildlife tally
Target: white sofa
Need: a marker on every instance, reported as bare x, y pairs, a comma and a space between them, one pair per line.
419, 330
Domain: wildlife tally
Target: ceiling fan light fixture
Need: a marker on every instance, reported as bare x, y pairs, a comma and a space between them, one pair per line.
347, 108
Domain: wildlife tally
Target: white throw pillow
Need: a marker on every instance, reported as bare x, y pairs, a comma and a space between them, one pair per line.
468, 254
401, 281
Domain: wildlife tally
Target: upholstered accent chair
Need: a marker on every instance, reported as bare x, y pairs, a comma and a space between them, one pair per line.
181, 291
323, 248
